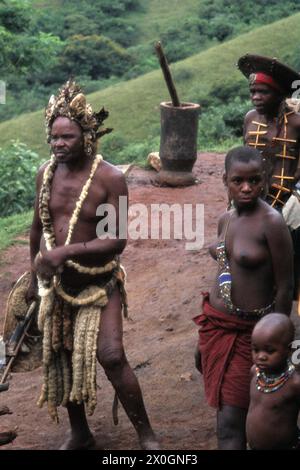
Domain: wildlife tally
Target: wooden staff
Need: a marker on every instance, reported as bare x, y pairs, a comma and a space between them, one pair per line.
167, 74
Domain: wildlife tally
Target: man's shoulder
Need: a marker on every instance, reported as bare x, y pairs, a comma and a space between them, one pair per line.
252, 114
110, 176
42, 168
44, 165
108, 170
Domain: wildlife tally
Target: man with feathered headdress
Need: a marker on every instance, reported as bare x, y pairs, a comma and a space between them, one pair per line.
78, 274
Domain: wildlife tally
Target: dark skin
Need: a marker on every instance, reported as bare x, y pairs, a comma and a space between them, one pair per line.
258, 245
259, 250
272, 417
266, 101
108, 184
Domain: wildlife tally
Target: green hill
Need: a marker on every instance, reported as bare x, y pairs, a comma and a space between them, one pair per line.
157, 16
154, 16
134, 105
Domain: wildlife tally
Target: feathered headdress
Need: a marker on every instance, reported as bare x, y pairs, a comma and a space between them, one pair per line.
70, 102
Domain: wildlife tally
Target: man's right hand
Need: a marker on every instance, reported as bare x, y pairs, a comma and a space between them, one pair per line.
48, 263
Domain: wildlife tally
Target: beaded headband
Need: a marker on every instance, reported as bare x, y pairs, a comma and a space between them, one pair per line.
70, 102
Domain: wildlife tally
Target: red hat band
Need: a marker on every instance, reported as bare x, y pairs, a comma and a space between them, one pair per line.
260, 77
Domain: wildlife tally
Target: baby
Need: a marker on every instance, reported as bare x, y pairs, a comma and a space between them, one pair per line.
275, 386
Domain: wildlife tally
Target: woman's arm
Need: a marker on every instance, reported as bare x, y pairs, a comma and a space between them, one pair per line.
281, 250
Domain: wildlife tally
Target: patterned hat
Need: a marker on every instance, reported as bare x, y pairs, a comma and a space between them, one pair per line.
270, 71
70, 102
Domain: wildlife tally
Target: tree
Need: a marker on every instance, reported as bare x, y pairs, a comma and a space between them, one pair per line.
95, 56
14, 15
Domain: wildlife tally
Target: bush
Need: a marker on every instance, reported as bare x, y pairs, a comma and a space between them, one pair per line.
233, 115
112, 145
221, 27
14, 16
95, 56
18, 167
182, 40
116, 149
121, 31
221, 123
212, 129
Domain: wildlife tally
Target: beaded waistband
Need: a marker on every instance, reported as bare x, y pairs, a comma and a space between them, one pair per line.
255, 314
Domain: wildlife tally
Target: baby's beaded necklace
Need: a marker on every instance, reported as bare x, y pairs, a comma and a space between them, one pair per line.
270, 383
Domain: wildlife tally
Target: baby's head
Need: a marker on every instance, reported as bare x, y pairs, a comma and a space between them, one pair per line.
271, 342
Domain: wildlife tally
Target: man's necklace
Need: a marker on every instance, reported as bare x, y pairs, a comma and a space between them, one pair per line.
48, 176
45, 217
270, 383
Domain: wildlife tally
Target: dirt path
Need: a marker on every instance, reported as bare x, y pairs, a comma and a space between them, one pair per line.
164, 287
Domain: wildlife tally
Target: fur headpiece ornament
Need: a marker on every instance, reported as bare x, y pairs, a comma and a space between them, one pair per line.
70, 102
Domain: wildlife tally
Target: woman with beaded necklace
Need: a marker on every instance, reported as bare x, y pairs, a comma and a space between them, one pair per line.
254, 278
79, 276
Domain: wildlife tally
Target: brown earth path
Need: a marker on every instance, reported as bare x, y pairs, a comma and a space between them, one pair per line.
164, 286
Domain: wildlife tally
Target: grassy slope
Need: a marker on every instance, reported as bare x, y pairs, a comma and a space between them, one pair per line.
12, 226
156, 16
134, 105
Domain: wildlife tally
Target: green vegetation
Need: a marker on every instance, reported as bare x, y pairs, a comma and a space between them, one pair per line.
108, 46
42, 44
18, 167
209, 78
105, 41
12, 226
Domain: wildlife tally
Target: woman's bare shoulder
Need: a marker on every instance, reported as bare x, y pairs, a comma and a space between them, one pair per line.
272, 217
223, 220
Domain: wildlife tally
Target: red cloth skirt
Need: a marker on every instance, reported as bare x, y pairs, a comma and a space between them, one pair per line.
225, 349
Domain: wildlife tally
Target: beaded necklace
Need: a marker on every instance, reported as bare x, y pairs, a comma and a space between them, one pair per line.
270, 383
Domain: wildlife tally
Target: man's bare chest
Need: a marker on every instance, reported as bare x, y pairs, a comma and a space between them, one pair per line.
66, 194
273, 140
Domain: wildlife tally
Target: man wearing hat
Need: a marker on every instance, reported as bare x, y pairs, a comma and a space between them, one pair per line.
81, 283
273, 127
